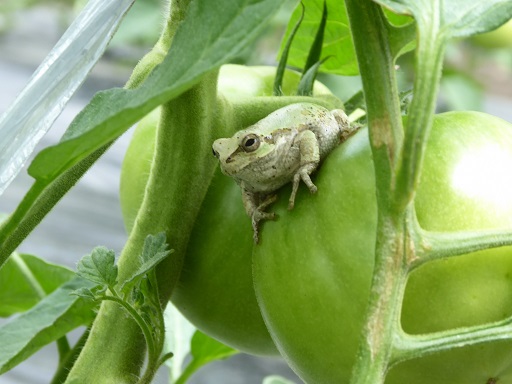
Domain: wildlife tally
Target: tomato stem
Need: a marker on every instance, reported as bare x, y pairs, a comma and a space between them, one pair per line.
370, 33
437, 245
376, 65
428, 69
408, 347
397, 161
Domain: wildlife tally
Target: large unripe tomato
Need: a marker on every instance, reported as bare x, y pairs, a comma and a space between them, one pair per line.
215, 291
313, 270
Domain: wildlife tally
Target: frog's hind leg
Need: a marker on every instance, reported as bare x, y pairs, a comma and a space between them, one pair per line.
259, 214
309, 160
255, 206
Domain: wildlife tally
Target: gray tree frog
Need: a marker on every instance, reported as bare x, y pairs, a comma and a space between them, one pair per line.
286, 146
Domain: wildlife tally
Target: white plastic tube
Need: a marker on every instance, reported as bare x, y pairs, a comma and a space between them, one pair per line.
54, 82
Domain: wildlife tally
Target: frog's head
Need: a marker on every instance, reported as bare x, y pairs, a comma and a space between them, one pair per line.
241, 150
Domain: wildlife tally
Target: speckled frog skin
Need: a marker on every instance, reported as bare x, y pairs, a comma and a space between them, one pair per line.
286, 146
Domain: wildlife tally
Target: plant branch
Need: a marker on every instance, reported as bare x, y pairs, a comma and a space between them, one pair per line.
376, 65
428, 67
122, 360
39, 200
383, 313
63, 347
408, 347
146, 330
66, 363
437, 245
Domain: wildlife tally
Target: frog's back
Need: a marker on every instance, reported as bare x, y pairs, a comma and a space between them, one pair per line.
329, 127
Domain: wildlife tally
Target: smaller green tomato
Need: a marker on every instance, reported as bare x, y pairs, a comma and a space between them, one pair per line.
237, 81
215, 291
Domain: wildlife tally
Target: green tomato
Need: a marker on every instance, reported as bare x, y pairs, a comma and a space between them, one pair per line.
215, 291
237, 81
313, 270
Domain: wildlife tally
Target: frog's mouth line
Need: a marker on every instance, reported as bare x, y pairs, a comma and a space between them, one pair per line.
230, 158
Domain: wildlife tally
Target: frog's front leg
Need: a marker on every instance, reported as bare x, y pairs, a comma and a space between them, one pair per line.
255, 208
309, 159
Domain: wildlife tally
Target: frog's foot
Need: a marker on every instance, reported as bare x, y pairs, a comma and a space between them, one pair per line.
303, 173
259, 214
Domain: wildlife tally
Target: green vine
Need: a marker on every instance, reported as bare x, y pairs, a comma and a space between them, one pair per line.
137, 296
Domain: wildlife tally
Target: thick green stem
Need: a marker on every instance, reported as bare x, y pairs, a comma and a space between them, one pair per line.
384, 305
115, 349
182, 153
176, 10
376, 65
153, 349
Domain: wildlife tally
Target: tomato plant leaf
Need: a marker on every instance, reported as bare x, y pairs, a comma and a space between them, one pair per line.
154, 251
307, 81
278, 80
455, 18
315, 52
84, 293
337, 41
27, 279
49, 320
402, 38
397, 20
204, 350
99, 267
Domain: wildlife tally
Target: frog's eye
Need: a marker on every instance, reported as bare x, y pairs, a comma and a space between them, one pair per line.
250, 143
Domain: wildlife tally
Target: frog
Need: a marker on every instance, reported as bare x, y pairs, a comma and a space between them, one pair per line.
286, 146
